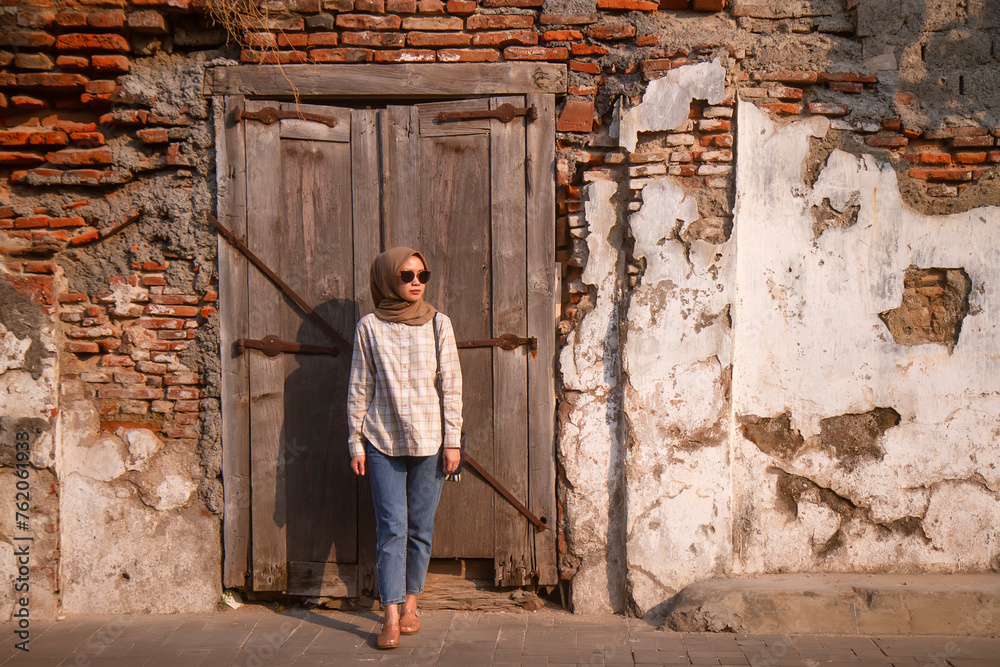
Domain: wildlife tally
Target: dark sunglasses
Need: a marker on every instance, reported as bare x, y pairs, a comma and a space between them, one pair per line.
407, 276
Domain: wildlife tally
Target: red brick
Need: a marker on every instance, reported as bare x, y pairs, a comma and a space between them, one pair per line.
887, 142
187, 406
612, 32
101, 86
498, 22
783, 108
28, 103
404, 56
404, 6
71, 19
92, 139
994, 156
461, 6
370, 6
147, 21
85, 236
467, 56
935, 158
628, 5
561, 35
429, 23
165, 334
17, 158
211, 296
647, 40
576, 116
261, 40
32, 222
437, 39
505, 38
80, 156
38, 61
785, 93
272, 57
535, 53
709, 5
971, 142
952, 132
153, 135
330, 38
363, 22
828, 109
953, 174
340, 55
180, 393
970, 158
586, 68
825, 77
430, 6
846, 87
893, 124
28, 38
90, 42
75, 221
41, 289
675, 4
35, 18
173, 311
135, 393
513, 3
81, 347
107, 20
110, 64
588, 50
182, 378
52, 80
292, 41
39, 267
787, 76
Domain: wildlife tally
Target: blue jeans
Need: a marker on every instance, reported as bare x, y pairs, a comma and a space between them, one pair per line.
405, 492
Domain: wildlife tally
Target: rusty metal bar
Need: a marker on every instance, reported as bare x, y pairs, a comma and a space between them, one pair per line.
504, 342
281, 285
504, 113
269, 115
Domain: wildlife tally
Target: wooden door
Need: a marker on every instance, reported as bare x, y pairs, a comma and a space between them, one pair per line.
321, 202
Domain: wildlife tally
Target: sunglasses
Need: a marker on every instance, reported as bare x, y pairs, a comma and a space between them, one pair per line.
422, 276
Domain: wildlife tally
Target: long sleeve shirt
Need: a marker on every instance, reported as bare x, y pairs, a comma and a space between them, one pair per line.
393, 400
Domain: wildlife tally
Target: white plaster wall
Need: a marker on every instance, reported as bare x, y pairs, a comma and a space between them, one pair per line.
677, 361
809, 342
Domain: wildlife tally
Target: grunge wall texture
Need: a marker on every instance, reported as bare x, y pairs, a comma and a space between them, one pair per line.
775, 223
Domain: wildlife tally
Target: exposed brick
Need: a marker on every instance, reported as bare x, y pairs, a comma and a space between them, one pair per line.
783, 108
433, 23
647, 40
52, 81
71, 19
952, 132
887, 142
136, 393
971, 142
261, 40
74, 221
174, 311
28, 39
505, 38
340, 55
535, 53
38, 61
90, 42
404, 56
513, 3
339, 5
461, 6
106, 20
846, 87
363, 22
166, 4
115, 360
935, 158
970, 158
586, 68
323, 21
370, 6
81, 347
438, 39
562, 35
628, 5
588, 50
39, 267
147, 21
13, 158
828, 109
576, 116
953, 174
333, 39
892, 124
80, 156
72, 297
403, 6
87, 139
273, 57
430, 6
101, 86
467, 56
785, 93
708, 5
787, 76
994, 156
394, 40
180, 393
612, 32
153, 135
110, 64
182, 378
28, 103
498, 22
825, 77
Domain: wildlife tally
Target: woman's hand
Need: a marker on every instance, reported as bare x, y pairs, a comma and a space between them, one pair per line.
358, 464
452, 457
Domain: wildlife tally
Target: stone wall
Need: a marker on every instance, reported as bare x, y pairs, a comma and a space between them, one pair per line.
694, 441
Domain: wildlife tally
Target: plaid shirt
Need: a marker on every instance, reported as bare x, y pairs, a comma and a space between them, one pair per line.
392, 400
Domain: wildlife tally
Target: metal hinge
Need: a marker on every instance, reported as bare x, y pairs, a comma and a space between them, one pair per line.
269, 115
504, 113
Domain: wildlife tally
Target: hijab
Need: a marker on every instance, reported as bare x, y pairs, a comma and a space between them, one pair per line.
384, 282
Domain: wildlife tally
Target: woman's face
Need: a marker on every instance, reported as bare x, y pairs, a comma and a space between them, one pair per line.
413, 290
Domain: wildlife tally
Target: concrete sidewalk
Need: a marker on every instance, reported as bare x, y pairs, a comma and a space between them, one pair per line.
255, 636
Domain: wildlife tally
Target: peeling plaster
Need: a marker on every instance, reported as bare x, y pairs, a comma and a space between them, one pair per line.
810, 344
666, 103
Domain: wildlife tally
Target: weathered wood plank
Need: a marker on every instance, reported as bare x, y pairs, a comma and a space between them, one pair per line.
390, 79
430, 126
510, 412
322, 579
266, 373
316, 260
367, 244
454, 235
541, 207
295, 128
230, 169
401, 200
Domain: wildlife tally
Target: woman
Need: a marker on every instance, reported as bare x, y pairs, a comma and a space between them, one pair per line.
398, 417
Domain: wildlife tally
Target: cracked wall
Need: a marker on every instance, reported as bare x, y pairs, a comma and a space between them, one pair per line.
858, 451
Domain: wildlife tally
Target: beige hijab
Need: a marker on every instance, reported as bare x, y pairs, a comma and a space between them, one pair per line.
384, 281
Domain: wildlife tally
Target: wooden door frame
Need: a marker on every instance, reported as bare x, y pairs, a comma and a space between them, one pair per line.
229, 87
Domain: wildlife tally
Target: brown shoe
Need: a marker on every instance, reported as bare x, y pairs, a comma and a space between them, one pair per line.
409, 624
389, 637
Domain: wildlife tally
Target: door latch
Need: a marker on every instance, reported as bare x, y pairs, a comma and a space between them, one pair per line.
504, 113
